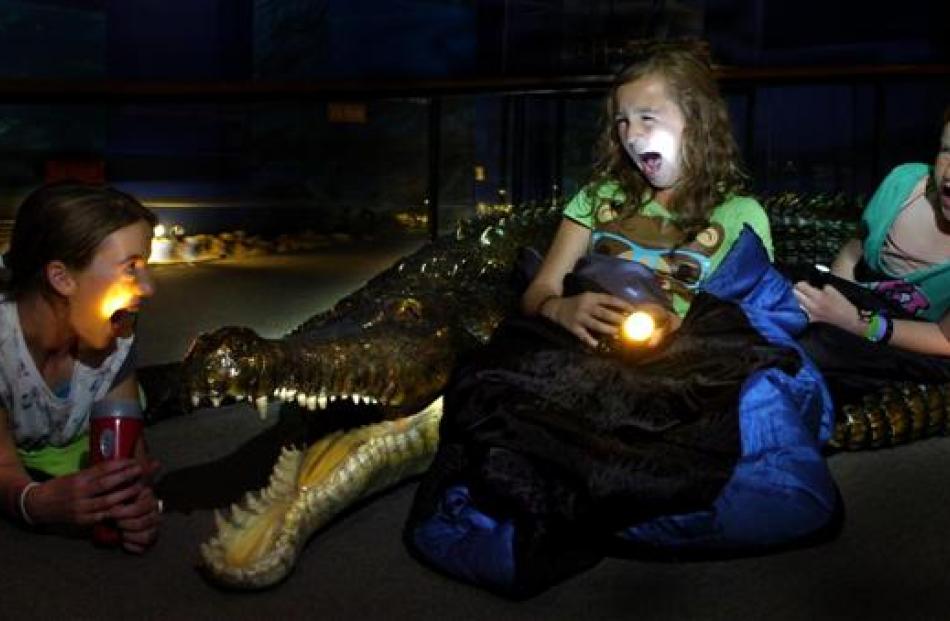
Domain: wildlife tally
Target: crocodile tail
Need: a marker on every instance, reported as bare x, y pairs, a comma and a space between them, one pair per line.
891, 416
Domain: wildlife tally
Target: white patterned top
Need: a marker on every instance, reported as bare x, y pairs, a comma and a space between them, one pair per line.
37, 416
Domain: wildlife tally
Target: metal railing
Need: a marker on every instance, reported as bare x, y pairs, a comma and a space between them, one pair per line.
743, 80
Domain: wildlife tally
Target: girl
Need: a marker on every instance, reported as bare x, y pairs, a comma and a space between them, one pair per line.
898, 325
664, 184
705, 438
77, 274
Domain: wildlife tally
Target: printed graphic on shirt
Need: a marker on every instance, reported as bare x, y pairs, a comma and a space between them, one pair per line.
653, 240
902, 293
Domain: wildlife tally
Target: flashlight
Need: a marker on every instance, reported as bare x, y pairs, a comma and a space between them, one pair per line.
818, 276
114, 428
638, 327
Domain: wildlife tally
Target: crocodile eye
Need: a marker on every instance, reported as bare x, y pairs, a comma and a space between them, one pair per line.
408, 309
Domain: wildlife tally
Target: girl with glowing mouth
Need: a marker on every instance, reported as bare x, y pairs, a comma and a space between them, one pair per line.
657, 172
77, 274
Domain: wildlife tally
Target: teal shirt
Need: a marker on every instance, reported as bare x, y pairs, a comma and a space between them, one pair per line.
730, 215
925, 292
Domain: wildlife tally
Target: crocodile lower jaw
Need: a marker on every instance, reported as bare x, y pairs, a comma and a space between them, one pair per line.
257, 543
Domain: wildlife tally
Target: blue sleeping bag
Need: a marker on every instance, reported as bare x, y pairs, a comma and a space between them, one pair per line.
782, 489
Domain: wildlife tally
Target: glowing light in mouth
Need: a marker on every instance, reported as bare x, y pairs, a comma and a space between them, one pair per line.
638, 327
117, 298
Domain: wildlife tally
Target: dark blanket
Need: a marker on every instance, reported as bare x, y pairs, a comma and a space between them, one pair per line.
547, 449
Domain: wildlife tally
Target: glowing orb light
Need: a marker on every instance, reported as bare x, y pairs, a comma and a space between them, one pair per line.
638, 326
118, 297
159, 230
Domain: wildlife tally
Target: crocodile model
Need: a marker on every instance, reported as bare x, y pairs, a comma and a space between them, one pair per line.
389, 348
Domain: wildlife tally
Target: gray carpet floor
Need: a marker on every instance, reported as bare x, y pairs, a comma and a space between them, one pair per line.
890, 561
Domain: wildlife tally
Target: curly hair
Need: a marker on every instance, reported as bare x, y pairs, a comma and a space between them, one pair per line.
711, 169
932, 191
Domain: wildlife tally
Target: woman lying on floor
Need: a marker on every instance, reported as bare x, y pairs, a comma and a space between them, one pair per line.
896, 325
560, 445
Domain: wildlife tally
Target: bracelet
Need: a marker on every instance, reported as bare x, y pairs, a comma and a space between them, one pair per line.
888, 330
880, 328
544, 300
870, 329
23, 492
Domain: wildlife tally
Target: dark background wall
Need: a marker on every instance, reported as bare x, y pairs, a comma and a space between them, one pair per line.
229, 159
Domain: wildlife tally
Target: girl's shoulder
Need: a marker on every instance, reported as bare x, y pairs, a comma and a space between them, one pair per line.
906, 173
608, 190
737, 207
591, 200
734, 213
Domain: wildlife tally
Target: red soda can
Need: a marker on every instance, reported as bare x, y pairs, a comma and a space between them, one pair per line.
114, 428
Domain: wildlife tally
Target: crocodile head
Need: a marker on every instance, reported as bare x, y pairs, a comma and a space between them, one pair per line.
390, 345
394, 355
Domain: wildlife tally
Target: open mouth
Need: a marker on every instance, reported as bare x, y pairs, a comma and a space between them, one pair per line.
123, 322
650, 162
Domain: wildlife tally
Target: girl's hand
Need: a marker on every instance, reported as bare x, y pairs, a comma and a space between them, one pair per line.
588, 315
138, 521
86, 497
828, 305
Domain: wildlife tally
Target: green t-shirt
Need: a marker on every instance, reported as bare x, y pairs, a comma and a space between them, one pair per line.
726, 223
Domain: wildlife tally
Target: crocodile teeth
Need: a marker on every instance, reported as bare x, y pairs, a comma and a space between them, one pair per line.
301, 399
219, 521
254, 503
312, 402
356, 399
322, 399
258, 543
239, 516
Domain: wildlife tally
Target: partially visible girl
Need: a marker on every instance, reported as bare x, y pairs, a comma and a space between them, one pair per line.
77, 275
896, 325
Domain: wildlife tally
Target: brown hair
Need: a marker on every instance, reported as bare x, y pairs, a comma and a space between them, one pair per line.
65, 222
931, 191
710, 159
